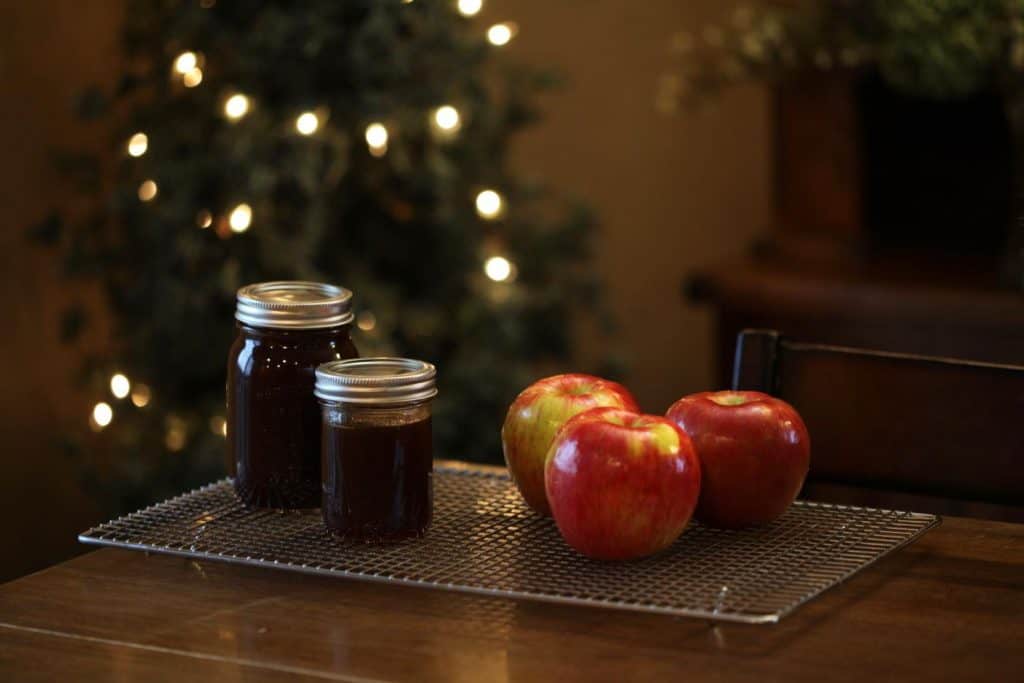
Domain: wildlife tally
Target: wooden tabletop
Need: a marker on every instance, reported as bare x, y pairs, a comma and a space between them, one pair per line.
948, 607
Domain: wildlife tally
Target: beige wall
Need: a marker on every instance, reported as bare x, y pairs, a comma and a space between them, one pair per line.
671, 192
48, 52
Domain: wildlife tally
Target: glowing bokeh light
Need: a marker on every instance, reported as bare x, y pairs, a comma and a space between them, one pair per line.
489, 204
147, 190
307, 123
138, 144
469, 8
236, 106
240, 218
498, 268
120, 386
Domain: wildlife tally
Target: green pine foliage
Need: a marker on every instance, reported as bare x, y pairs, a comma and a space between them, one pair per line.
934, 49
400, 229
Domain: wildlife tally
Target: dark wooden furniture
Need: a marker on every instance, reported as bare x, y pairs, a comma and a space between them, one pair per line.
862, 168
890, 228
897, 423
948, 607
923, 306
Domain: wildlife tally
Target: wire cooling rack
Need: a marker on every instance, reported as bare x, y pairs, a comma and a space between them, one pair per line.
485, 540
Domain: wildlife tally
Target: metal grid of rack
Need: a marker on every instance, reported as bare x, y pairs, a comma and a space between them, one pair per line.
485, 540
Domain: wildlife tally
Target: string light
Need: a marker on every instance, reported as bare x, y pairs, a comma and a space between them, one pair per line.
175, 440
236, 106
141, 395
204, 219
101, 416
138, 144
366, 321
501, 34
447, 118
377, 139
469, 8
498, 268
193, 78
307, 123
218, 425
240, 218
489, 204
147, 190
120, 386
186, 62
187, 65
175, 437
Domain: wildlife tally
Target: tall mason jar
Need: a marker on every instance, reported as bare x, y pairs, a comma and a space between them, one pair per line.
285, 330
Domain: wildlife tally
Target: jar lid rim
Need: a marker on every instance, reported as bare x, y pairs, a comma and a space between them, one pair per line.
376, 381
293, 304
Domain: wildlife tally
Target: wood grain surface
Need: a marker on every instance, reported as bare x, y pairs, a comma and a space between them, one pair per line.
948, 607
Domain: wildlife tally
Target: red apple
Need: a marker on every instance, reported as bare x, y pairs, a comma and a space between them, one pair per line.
538, 413
621, 485
754, 454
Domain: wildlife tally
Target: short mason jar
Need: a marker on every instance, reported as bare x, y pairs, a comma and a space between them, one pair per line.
285, 330
378, 457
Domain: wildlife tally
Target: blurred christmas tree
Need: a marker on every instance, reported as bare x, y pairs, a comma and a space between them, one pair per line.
360, 142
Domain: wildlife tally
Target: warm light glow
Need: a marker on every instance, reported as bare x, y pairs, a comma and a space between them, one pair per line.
102, 414
366, 321
186, 62
204, 219
218, 425
489, 204
240, 218
236, 106
175, 438
141, 395
307, 123
138, 144
498, 268
193, 78
377, 139
469, 8
147, 190
447, 117
119, 385
501, 34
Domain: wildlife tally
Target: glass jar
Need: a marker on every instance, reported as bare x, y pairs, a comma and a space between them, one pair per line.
377, 441
285, 330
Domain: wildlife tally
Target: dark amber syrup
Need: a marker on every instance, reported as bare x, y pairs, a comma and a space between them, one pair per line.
377, 480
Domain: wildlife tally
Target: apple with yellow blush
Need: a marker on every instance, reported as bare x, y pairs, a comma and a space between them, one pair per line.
538, 413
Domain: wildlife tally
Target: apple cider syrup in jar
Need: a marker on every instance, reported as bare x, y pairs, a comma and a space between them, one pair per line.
377, 447
285, 330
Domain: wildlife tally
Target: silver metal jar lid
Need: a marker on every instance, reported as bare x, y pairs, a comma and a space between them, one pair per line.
376, 381
293, 305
